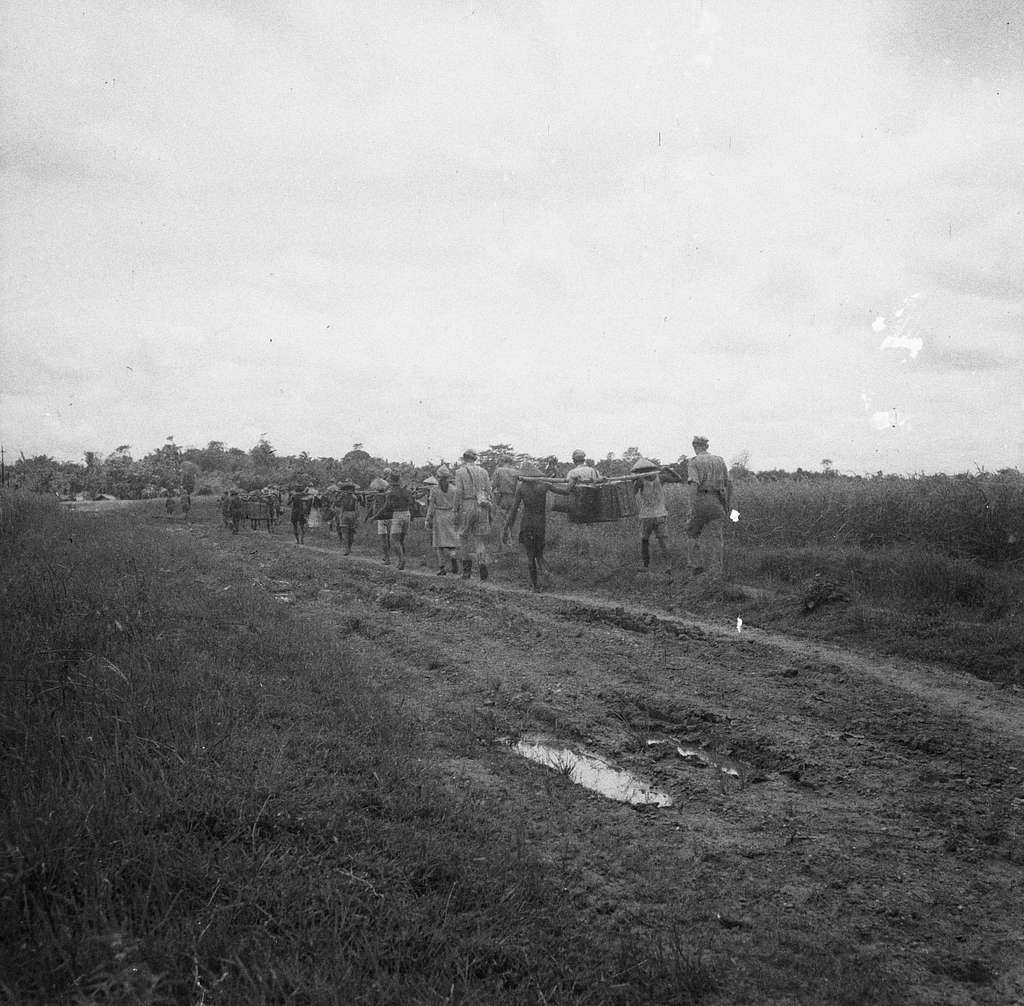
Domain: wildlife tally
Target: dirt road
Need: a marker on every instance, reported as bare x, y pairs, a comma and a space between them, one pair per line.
866, 846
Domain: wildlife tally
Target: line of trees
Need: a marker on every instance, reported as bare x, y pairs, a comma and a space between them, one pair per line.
171, 468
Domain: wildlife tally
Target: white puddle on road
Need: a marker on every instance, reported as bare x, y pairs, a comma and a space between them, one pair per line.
593, 773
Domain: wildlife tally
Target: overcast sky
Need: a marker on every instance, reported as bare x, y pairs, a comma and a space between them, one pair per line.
794, 227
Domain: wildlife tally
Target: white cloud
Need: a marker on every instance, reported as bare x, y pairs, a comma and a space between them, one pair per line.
286, 213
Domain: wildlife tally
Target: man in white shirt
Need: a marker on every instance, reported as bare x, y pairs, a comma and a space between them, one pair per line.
581, 474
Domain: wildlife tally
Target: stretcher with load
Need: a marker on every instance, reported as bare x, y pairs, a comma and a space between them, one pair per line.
259, 510
600, 502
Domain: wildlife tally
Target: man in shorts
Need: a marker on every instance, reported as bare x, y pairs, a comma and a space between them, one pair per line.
398, 501
378, 512
532, 494
651, 510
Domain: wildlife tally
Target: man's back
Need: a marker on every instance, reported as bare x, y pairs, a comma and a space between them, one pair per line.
708, 473
504, 482
472, 481
585, 474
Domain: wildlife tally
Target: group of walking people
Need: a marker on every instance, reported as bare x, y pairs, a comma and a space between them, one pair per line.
466, 509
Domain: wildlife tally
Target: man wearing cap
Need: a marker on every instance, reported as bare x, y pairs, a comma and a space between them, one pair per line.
474, 502
581, 474
651, 510
440, 521
712, 499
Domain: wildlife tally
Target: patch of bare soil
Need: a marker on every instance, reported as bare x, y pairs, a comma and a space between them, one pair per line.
845, 828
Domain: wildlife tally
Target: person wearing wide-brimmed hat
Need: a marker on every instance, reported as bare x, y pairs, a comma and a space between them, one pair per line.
346, 515
532, 495
440, 521
712, 498
377, 511
651, 510
474, 502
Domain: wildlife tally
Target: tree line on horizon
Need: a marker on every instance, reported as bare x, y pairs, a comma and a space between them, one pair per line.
216, 467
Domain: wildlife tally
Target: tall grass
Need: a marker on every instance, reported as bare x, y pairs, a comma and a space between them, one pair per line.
964, 517
931, 572
203, 800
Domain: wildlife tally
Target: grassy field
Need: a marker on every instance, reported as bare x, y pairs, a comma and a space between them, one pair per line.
207, 800
209, 796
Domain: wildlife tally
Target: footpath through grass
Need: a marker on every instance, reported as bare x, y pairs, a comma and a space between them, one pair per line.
203, 800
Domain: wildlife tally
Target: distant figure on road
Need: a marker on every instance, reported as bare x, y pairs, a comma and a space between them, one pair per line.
235, 510
532, 495
186, 503
440, 521
300, 515
346, 514
169, 505
474, 502
712, 499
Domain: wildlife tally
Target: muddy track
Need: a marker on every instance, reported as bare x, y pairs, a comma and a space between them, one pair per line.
844, 827
988, 705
